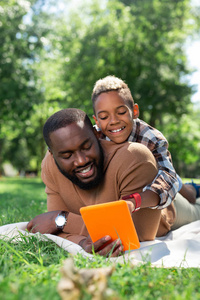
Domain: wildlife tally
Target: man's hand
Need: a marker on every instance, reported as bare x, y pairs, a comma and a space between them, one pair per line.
44, 223
101, 247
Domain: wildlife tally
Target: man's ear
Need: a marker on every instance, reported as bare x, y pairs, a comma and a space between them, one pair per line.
96, 121
136, 111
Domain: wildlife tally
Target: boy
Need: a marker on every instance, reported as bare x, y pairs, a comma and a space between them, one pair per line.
116, 116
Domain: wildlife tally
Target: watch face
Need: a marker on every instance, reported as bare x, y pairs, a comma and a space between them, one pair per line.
60, 220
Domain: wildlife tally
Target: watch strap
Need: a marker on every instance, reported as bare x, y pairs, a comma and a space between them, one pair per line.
62, 213
137, 198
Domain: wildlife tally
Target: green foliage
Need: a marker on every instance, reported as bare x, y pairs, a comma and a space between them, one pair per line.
52, 54
140, 43
30, 269
17, 80
16, 77
184, 145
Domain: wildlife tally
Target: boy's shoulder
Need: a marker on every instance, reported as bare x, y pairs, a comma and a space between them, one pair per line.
145, 124
146, 129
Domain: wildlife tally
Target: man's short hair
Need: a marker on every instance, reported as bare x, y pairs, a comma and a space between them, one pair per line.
112, 83
62, 119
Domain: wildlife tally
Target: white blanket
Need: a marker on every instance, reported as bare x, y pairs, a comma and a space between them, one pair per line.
180, 248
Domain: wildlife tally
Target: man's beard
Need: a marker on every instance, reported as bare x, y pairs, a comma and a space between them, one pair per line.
92, 184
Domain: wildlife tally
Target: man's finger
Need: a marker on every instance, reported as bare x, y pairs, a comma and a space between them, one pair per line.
101, 242
113, 249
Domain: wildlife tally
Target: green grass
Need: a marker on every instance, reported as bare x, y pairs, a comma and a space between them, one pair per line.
31, 268
21, 199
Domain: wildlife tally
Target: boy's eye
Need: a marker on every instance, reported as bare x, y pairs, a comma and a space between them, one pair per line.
103, 117
122, 112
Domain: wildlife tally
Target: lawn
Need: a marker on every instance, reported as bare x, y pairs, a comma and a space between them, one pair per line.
31, 269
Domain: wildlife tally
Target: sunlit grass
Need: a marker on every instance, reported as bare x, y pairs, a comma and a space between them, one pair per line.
30, 269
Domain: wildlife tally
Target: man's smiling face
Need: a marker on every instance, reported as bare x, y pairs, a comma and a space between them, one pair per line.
78, 154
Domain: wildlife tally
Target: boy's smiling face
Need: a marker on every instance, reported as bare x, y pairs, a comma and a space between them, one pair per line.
114, 117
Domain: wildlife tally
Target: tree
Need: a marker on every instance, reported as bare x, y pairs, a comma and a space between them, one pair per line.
17, 77
142, 44
184, 145
53, 60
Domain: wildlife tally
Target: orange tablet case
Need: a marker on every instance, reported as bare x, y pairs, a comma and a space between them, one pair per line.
112, 218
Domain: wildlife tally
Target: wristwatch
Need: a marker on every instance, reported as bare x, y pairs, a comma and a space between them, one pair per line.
61, 220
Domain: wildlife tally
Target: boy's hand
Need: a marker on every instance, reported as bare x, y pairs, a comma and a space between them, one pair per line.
101, 247
131, 205
148, 199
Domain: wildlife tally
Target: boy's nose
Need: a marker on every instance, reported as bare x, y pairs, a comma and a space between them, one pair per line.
114, 119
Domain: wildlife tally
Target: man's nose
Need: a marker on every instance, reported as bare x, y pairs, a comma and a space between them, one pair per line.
80, 159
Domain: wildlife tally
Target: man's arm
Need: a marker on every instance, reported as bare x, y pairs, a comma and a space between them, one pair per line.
45, 223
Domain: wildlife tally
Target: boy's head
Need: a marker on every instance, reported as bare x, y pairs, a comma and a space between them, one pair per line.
112, 83
114, 108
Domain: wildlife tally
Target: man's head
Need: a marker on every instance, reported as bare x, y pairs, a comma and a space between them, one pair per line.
71, 139
114, 108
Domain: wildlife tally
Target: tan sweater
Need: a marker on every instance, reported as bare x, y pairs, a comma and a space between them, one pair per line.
128, 168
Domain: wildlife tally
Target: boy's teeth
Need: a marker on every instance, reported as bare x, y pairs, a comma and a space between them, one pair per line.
117, 130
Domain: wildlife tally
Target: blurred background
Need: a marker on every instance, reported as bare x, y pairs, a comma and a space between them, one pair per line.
52, 52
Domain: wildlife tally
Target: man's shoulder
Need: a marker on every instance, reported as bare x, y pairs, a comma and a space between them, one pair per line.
126, 151
48, 164
138, 150
110, 146
47, 159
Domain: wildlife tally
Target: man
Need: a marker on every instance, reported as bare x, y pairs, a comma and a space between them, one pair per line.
78, 170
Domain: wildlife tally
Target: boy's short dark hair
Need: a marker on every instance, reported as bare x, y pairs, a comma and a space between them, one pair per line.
62, 119
112, 83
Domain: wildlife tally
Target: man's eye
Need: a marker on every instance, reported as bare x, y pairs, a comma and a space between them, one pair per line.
67, 156
87, 147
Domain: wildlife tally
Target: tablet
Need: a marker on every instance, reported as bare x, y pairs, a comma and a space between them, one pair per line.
113, 219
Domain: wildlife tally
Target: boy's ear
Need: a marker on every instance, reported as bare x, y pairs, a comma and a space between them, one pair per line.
98, 134
96, 121
50, 151
136, 111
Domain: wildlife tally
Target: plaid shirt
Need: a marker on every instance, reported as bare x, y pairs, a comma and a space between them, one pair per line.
165, 184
